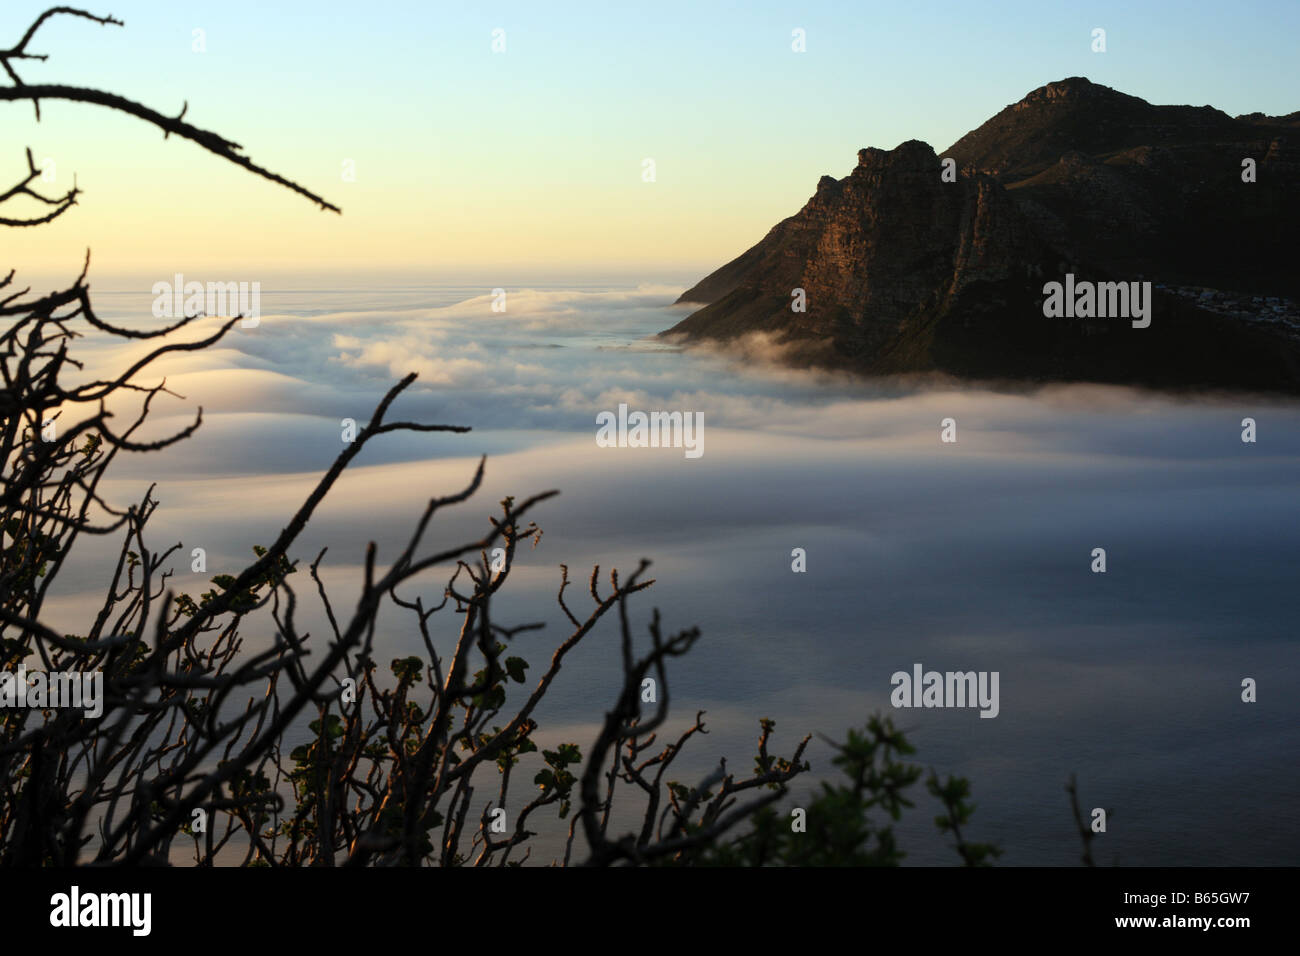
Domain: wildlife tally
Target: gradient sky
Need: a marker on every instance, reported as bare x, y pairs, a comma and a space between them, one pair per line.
492, 166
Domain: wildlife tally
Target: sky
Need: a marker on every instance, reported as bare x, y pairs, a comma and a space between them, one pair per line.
492, 166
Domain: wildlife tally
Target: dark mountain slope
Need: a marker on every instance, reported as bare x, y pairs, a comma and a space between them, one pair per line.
1077, 115
904, 272
1149, 190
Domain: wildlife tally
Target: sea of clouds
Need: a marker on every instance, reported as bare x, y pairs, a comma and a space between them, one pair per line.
973, 555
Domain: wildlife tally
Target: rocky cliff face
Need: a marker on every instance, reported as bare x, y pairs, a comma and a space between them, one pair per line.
877, 254
903, 271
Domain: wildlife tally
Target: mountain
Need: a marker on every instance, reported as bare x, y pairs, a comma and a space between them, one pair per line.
904, 269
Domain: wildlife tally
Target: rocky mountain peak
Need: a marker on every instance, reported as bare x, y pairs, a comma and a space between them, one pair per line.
902, 270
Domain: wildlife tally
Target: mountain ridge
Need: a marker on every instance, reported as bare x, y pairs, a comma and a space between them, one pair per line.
904, 269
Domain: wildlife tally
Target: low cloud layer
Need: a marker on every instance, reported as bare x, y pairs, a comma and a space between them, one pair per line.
972, 555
